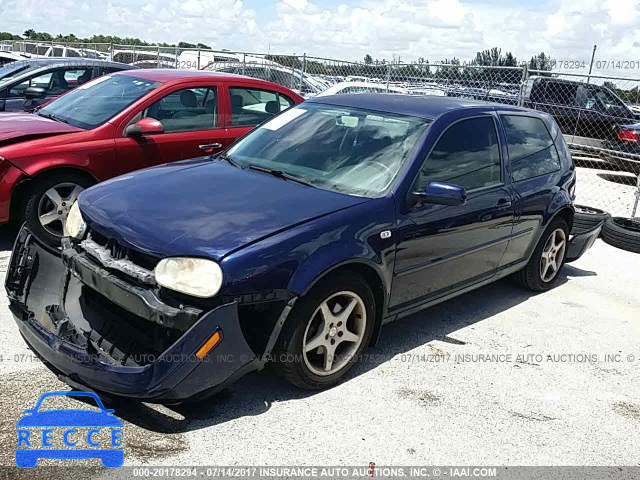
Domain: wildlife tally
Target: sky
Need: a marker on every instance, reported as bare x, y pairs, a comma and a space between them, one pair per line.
349, 29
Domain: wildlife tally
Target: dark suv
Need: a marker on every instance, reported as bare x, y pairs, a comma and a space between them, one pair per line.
590, 116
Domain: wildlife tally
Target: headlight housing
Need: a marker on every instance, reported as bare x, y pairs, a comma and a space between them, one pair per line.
75, 226
198, 277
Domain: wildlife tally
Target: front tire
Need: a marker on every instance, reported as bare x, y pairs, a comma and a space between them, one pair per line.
543, 269
326, 332
48, 201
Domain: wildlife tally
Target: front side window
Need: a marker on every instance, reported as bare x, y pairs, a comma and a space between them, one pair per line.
55, 83
250, 107
41, 81
531, 149
596, 99
467, 154
98, 100
186, 110
342, 149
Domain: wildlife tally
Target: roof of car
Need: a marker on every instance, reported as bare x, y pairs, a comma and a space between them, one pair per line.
417, 106
169, 74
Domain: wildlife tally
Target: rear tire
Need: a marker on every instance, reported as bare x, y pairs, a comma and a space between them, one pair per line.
316, 330
549, 254
40, 200
587, 218
623, 233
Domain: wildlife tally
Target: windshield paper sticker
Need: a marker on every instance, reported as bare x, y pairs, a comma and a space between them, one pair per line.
284, 118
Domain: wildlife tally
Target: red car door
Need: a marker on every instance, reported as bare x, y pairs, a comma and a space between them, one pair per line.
193, 126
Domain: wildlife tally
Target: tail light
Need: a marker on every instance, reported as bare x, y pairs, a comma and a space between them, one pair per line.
628, 135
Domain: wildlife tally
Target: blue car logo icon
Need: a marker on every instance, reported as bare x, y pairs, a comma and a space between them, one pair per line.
86, 433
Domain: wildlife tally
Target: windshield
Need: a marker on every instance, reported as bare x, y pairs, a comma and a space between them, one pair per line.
95, 102
343, 149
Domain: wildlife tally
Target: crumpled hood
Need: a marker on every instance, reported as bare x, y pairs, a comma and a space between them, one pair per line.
201, 207
14, 126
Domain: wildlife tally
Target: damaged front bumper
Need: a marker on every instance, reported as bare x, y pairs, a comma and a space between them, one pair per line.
64, 312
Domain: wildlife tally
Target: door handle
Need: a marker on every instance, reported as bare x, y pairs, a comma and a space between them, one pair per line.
503, 204
210, 146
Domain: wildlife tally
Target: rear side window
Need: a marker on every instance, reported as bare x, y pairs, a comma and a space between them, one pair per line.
530, 146
467, 154
250, 107
558, 93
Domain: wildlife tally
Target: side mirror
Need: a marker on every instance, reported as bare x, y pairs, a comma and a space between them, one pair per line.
442, 193
145, 126
32, 93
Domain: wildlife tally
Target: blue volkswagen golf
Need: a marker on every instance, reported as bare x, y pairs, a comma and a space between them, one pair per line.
296, 245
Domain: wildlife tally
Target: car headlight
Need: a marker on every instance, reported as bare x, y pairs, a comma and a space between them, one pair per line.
194, 276
75, 226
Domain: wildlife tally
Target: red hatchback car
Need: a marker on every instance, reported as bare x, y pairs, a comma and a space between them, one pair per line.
118, 123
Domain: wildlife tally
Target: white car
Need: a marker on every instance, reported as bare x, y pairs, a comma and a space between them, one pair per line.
210, 60
8, 57
40, 50
428, 90
298, 81
145, 58
360, 87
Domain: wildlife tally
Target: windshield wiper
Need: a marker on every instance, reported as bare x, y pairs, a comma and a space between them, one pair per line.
281, 174
222, 156
51, 116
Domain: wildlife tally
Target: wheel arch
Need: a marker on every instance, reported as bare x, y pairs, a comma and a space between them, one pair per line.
566, 213
372, 274
20, 190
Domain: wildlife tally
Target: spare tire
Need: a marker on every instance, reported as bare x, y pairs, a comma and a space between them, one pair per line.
587, 218
622, 233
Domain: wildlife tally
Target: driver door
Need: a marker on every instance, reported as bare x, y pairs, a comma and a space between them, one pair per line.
441, 248
191, 120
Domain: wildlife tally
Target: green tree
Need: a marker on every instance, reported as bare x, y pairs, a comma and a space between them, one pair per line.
541, 62
8, 36
368, 60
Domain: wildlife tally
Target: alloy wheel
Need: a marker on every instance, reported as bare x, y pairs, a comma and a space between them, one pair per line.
553, 255
334, 333
54, 206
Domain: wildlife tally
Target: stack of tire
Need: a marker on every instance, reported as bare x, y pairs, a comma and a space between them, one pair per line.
620, 232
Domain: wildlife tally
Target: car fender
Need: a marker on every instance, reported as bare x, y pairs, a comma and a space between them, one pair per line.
560, 202
318, 266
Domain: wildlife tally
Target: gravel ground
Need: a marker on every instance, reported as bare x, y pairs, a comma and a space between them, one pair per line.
607, 189
428, 393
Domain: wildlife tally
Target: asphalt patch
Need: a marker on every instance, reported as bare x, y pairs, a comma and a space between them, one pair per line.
626, 409
425, 397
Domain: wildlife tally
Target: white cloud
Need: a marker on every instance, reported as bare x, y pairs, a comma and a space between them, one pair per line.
432, 29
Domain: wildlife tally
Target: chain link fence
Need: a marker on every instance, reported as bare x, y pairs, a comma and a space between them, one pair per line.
599, 116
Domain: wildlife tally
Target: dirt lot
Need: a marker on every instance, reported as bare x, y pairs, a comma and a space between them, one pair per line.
498, 376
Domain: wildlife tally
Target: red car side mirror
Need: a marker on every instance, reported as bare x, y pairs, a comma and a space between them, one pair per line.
145, 126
